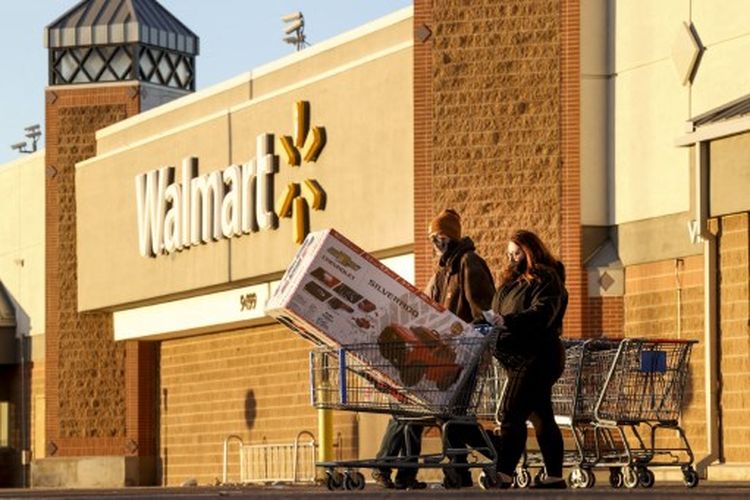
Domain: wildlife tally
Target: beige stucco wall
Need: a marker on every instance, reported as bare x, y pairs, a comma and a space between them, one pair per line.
22, 238
327, 56
660, 238
651, 104
724, 29
596, 81
366, 170
730, 175
651, 178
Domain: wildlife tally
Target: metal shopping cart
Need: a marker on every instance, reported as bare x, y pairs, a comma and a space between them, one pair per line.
645, 389
574, 399
564, 395
574, 396
427, 382
609, 387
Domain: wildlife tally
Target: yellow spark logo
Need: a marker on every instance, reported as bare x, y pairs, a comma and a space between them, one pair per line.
297, 198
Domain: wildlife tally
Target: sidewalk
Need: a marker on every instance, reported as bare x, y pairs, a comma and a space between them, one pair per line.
672, 491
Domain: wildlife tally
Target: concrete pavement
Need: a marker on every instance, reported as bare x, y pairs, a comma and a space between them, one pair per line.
672, 491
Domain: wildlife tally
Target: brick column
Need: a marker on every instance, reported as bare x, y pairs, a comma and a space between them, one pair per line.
423, 206
734, 332
503, 124
570, 116
97, 391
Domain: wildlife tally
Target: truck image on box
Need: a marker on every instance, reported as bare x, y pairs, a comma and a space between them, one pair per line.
418, 352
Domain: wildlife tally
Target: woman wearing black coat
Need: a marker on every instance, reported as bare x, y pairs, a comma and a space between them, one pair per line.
529, 307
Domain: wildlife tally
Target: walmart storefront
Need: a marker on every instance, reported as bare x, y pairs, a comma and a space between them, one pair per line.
188, 214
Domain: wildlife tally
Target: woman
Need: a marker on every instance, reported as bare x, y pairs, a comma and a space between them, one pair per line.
528, 307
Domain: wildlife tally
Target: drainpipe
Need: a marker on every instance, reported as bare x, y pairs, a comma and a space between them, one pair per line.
710, 337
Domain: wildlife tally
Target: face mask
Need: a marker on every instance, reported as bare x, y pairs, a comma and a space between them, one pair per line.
441, 245
518, 267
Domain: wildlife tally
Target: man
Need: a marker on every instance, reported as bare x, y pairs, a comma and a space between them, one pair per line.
463, 284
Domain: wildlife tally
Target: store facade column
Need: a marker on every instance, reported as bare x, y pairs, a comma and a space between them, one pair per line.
100, 394
497, 129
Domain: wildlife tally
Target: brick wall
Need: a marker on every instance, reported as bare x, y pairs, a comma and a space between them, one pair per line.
651, 311
652, 293
734, 335
253, 383
37, 391
496, 126
496, 96
85, 368
603, 316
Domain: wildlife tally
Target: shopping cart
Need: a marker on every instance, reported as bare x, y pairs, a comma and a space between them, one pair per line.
608, 389
645, 388
588, 363
574, 396
427, 383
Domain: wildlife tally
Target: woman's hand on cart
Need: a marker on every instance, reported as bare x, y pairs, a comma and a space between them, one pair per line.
493, 318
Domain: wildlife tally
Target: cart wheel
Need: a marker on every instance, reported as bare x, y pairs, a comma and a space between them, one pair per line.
615, 478
646, 477
581, 478
334, 480
589, 478
487, 479
540, 476
576, 477
522, 478
360, 480
412, 374
573, 479
690, 477
354, 481
629, 477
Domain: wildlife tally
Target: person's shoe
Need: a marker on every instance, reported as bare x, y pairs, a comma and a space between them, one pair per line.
409, 484
460, 478
549, 484
383, 479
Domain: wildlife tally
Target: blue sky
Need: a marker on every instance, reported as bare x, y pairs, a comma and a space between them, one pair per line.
236, 36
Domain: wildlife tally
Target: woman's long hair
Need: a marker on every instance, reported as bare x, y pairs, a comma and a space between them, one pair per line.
537, 254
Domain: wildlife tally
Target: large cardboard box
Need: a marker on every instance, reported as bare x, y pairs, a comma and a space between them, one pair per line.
336, 294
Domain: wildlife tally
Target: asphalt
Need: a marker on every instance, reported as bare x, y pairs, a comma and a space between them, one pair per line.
672, 491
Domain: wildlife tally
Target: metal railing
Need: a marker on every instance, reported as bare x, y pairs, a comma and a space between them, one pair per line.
274, 462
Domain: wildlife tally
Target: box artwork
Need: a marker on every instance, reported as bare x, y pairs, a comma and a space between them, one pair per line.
336, 294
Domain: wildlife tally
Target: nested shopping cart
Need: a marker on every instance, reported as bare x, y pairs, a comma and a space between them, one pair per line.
645, 390
421, 382
609, 388
574, 397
